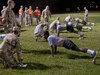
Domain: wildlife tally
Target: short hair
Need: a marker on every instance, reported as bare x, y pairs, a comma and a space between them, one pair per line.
4, 7
37, 7
85, 8
9, 1
21, 6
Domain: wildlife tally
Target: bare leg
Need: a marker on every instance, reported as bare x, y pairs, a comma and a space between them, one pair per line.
58, 32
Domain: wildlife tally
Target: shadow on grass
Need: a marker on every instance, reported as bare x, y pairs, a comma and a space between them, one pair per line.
39, 66
75, 37
23, 30
71, 56
2, 31
40, 51
64, 32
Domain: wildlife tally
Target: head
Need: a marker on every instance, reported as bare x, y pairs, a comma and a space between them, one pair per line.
30, 7
37, 7
84, 8
16, 30
4, 7
26, 8
46, 34
58, 18
11, 3
21, 6
47, 7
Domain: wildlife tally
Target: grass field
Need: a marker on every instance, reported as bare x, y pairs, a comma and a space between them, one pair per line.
66, 62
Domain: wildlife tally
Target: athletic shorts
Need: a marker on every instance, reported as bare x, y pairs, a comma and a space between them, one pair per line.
61, 28
70, 28
78, 27
69, 45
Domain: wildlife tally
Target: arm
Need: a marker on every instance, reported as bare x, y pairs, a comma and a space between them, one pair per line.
53, 50
4, 16
19, 51
42, 14
49, 13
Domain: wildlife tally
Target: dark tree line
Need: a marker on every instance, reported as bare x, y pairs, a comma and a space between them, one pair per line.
56, 6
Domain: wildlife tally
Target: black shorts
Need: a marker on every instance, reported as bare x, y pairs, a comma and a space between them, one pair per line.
79, 27
69, 45
70, 28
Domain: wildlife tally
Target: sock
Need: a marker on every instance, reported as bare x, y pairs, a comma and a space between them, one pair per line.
90, 51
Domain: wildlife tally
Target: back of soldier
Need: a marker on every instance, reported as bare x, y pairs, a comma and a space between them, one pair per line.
8, 41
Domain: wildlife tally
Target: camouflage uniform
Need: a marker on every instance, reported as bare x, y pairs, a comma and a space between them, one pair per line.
21, 14
39, 30
9, 19
46, 14
86, 15
8, 48
2, 11
26, 16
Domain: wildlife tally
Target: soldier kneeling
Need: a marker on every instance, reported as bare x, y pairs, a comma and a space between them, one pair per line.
9, 47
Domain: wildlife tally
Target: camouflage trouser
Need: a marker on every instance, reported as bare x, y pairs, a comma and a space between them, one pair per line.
26, 20
8, 59
21, 19
46, 19
7, 29
86, 18
30, 19
38, 19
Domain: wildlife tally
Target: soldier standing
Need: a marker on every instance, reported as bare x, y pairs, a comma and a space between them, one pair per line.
9, 19
21, 13
26, 16
86, 14
37, 13
30, 12
46, 14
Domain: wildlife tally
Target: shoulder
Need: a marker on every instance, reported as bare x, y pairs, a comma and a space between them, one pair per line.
11, 35
7, 9
51, 37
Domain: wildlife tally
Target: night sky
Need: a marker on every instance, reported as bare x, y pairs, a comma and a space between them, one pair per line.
56, 6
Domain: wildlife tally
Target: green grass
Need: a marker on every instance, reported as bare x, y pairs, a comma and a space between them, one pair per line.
66, 62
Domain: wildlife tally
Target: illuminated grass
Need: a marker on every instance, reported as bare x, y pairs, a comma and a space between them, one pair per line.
66, 62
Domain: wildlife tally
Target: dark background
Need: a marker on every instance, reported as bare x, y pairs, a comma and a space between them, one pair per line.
56, 6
